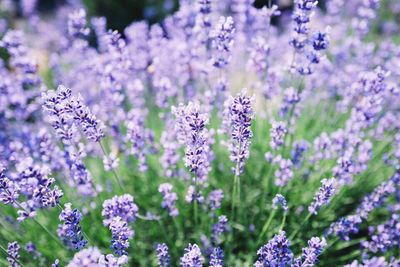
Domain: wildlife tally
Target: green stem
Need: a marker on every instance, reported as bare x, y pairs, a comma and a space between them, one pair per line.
298, 229
283, 221
266, 225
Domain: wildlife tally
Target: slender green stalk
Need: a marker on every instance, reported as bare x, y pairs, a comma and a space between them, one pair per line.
283, 221
300, 227
266, 226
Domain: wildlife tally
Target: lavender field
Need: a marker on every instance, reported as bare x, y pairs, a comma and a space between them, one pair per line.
224, 135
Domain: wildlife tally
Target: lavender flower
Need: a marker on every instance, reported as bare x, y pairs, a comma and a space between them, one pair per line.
238, 116
110, 260
77, 24
192, 257
311, 253
70, 231
121, 234
275, 253
299, 148
386, 236
217, 258
214, 199
169, 199
86, 257
323, 196
279, 200
8, 189
222, 41
345, 226
278, 131
284, 174
190, 123
121, 206
218, 229
13, 254
163, 255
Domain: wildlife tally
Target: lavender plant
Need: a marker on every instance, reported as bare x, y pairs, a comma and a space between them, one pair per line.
141, 147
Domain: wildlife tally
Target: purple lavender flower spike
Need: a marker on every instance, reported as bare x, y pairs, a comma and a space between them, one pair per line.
86, 257
279, 200
192, 257
218, 229
323, 196
285, 173
110, 260
13, 254
9, 191
214, 199
275, 253
169, 199
238, 115
217, 257
121, 233
278, 131
77, 24
163, 255
70, 231
222, 41
311, 253
122, 206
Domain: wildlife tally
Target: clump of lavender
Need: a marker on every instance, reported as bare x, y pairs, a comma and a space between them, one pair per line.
13, 254
298, 151
169, 199
279, 200
218, 229
275, 253
121, 206
222, 40
163, 255
311, 253
217, 257
384, 236
238, 116
70, 231
278, 131
121, 234
192, 257
323, 196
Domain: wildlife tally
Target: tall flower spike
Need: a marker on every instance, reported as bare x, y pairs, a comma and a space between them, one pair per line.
121, 233
163, 255
279, 200
218, 229
323, 196
222, 41
275, 253
237, 118
77, 24
70, 231
13, 254
122, 206
311, 253
278, 131
169, 199
192, 257
217, 257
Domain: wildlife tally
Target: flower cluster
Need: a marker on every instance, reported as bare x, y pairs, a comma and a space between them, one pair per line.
192, 257
169, 199
275, 253
70, 231
323, 195
238, 116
